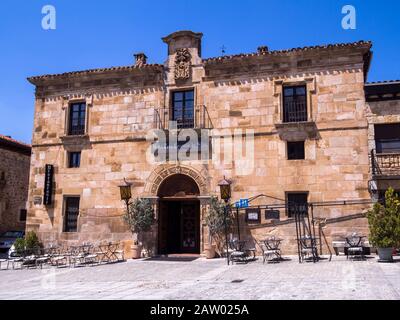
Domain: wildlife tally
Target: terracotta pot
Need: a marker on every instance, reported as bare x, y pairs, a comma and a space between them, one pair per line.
209, 251
136, 251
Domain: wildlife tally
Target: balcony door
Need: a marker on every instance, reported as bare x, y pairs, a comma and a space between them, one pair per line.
183, 108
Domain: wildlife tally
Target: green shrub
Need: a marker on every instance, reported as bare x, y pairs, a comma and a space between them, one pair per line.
32, 241
384, 222
215, 220
140, 216
19, 246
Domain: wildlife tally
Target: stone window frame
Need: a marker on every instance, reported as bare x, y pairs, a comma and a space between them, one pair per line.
67, 102
311, 88
63, 211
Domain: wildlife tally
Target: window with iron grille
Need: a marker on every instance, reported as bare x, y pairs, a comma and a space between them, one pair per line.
295, 104
297, 203
74, 159
183, 109
77, 119
71, 214
22, 215
295, 150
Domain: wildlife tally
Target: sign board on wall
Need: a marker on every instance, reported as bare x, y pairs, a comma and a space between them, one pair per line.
272, 214
48, 185
253, 215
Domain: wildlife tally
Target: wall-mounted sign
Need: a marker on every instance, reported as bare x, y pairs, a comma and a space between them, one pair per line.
48, 185
253, 215
272, 214
37, 201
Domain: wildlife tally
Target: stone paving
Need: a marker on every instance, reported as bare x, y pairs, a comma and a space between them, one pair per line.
208, 279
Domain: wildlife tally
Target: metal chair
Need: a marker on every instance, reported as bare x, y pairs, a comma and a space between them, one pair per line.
355, 247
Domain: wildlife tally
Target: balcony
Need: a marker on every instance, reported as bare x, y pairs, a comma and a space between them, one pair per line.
385, 164
199, 120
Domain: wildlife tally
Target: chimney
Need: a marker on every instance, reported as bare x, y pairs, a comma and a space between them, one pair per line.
140, 59
262, 49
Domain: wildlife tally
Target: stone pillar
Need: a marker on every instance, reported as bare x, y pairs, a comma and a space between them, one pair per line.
204, 232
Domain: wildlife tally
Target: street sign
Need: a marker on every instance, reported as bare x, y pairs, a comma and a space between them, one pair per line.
242, 203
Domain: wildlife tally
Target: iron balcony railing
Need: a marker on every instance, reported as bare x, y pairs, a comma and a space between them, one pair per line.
385, 163
78, 130
295, 111
199, 120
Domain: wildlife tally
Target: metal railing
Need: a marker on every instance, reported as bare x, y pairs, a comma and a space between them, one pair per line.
200, 119
385, 163
295, 111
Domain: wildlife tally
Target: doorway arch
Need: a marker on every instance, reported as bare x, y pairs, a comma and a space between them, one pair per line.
179, 216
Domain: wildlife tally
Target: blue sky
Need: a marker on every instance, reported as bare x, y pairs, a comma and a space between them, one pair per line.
94, 33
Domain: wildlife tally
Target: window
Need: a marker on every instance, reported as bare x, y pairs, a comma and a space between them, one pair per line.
295, 150
71, 214
77, 119
22, 215
387, 138
294, 104
74, 159
183, 109
297, 203
2, 175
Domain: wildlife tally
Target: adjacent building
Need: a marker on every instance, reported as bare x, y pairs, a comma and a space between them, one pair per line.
14, 181
303, 110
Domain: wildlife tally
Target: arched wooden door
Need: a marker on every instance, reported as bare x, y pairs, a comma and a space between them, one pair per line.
179, 216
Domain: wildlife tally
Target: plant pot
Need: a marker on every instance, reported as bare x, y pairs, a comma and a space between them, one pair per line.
209, 251
136, 251
385, 254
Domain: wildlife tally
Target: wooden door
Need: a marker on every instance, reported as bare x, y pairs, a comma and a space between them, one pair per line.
190, 227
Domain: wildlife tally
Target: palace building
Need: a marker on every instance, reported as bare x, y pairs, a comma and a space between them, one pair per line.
293, 126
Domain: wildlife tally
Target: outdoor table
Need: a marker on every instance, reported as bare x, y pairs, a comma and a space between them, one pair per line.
108, 252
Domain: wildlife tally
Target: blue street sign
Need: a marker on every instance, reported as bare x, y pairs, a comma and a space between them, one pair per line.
242, 203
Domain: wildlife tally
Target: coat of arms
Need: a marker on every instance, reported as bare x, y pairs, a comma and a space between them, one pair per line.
182, 64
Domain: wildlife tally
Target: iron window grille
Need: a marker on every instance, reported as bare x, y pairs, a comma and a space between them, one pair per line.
295, 104
71, 214
77, 119
297, 203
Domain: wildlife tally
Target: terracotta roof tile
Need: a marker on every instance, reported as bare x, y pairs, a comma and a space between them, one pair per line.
6, 138
299, 49
93, 71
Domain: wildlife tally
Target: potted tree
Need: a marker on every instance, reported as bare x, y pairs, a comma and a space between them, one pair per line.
384, 225
140, 218
215, 220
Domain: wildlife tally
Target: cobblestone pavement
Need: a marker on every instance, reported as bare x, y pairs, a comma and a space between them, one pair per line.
208, 279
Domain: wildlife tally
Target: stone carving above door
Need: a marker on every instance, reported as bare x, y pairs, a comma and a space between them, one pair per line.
182, 64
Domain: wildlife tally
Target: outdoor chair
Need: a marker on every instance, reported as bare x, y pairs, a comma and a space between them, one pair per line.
1, 262
235, 252
308, 248
355, 247
270, 250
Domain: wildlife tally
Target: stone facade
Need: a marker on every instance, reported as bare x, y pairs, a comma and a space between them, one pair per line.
383, 108
14, 181
230, 92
